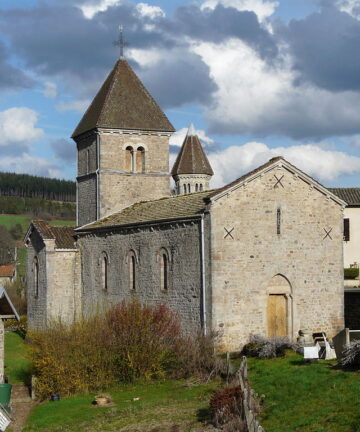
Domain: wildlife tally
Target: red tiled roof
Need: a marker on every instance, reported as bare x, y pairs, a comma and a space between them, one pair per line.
63, 235
7, 270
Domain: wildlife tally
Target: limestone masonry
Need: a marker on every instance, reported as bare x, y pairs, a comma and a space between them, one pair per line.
261, 255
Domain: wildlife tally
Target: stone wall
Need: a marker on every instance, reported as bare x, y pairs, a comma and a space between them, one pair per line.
181, 241
245, 261
64, 285
36, 309
87, 199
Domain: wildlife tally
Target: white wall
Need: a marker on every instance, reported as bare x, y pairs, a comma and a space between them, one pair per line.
352, 247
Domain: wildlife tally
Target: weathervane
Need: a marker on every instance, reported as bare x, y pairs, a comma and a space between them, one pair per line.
121, 42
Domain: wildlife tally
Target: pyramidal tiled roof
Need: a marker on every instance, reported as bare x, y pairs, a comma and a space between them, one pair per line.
192, 158
123, 102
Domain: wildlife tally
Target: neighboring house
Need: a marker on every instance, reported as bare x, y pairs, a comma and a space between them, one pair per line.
351, 225
7, 273
262, 254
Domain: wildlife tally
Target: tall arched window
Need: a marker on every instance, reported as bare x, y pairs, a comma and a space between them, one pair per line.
164, 271
201, 187
132, 270
140, 159
189, 190
196, 187
129, 159
184, 188
104, 271
36, 276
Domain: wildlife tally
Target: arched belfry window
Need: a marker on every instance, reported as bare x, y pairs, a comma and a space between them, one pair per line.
36, 276
140, 159
184, 188
104, 271
201, 187
129, 159
131, 263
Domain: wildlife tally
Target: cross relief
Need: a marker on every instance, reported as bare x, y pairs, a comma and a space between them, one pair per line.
228, 233
278, 181
327, 233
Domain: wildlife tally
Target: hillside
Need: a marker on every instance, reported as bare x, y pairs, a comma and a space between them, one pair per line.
24, 185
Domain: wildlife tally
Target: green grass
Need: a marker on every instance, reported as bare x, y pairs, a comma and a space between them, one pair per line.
300, 397
10, 220
162, 404
17, 364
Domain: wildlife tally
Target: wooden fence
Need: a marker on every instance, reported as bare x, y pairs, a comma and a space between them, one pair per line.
250, 404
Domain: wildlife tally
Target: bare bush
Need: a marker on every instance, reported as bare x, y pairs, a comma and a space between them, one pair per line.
351, 355
262, 347
226, 406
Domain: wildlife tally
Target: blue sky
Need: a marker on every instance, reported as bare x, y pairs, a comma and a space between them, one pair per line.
258, 79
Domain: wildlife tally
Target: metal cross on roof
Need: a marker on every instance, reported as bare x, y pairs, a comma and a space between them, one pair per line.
121, 41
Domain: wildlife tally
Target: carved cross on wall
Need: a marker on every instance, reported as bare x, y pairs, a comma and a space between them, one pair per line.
327, 233
228, 233
278, 181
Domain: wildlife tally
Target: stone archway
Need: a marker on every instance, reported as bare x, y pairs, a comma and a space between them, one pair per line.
279, 307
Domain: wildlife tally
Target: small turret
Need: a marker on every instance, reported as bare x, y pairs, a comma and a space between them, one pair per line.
191, 171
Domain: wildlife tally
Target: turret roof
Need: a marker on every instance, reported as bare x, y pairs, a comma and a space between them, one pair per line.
192, 158
123, 102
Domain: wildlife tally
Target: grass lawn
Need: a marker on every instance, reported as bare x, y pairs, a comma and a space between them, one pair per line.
10, 220
17, 365
315, 397
162, 405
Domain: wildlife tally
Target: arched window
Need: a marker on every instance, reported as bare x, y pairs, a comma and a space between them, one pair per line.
201, 187
184, 188
129, 159
36, 277
132, 270
140, 159
164, 271
104, 271
196, 187
189, 190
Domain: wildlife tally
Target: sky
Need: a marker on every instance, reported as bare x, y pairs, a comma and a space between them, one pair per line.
258, 78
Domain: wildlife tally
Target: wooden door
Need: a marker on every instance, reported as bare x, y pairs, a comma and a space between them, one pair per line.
277, 315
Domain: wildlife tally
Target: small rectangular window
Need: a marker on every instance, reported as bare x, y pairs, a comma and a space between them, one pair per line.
346, 229
278, 221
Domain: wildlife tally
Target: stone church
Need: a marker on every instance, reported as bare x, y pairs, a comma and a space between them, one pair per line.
262, 254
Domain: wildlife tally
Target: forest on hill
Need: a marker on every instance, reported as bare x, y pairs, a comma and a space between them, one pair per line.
28, 186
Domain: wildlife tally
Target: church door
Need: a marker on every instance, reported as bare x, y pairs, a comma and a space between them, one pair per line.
277, 315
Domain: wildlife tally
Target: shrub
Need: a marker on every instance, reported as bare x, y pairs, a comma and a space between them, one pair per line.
129, 341
19, 327
70, 358
351, 355
263, 347
351, 273
226, 405
141, 340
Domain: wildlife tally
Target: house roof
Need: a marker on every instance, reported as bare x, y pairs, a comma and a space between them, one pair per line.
191, 205
7, 270
7, 309
192, 158
350, 195
123, 102
63, 235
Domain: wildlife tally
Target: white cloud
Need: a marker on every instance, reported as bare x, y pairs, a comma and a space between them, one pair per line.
30, 165
50, 89
320, 163
149, 11
254, 96
76, 105
92, 8
178, 137
263, 9
349, 6
17, 125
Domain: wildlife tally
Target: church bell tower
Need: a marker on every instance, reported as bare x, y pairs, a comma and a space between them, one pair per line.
122, 146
